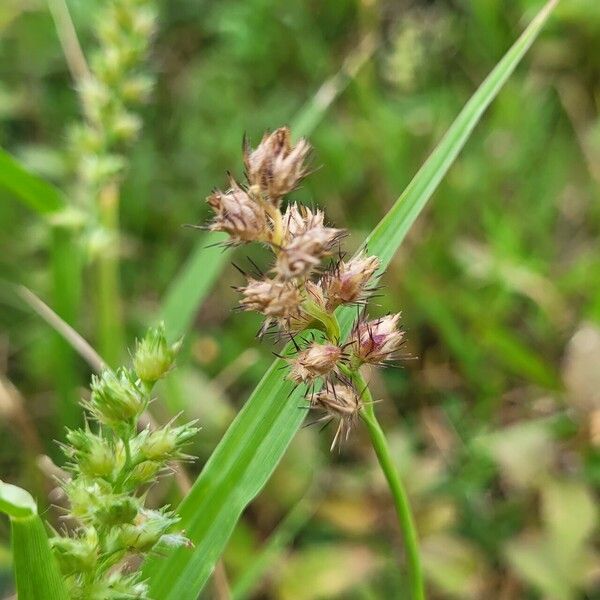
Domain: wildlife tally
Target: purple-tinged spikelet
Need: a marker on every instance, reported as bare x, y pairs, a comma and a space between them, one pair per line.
378, 340
342, 403
318, 360
348, 282
238, 215
275, 167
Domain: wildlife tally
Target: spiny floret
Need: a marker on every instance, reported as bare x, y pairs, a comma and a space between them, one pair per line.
275, 167
117, 398
154, 357
347, 282
76, 554
94, 455
121, 586
86, 496
114, 87
342, 403
317, 360
165, 444
238, 215
145, 531
378, 340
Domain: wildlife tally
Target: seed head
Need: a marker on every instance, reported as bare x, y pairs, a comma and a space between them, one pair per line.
318, 360
376, 341
348, 281
238, 215
340, 402
306, 242
270, 297
276, 167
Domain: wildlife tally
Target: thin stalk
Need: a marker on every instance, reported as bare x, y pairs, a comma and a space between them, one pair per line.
328, 321
66, 297
401, 502
110, 321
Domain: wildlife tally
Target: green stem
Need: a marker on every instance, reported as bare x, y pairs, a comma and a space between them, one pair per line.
110, 322
401, 502
328, 320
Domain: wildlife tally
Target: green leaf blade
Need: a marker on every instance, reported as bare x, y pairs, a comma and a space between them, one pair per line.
36, 571
16, 502
260, 434
34, 565
32, 190
192, 284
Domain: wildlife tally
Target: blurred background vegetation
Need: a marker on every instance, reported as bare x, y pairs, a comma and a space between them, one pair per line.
495, 411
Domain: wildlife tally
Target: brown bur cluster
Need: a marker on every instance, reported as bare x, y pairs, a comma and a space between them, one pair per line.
300, 292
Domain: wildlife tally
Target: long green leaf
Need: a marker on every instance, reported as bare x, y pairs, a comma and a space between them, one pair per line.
34, 191
260, 434
36, 571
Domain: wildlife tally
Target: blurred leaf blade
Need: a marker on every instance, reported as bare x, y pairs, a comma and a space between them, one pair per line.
32, 190
16, 502
255, 442
34, 565
392, 229
267, 558
192, 284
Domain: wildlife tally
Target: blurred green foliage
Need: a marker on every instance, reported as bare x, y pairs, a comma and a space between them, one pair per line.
495, 413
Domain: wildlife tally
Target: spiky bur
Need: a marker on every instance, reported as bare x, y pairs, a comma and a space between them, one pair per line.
300, 291
112, 464
116, 85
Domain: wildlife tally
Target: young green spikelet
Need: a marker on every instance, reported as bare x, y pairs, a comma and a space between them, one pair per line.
111, 465
300, 292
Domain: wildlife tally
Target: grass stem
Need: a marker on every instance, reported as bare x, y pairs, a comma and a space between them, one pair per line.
397, 489
110, 321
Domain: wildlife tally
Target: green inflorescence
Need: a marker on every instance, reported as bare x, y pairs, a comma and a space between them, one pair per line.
112, 463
